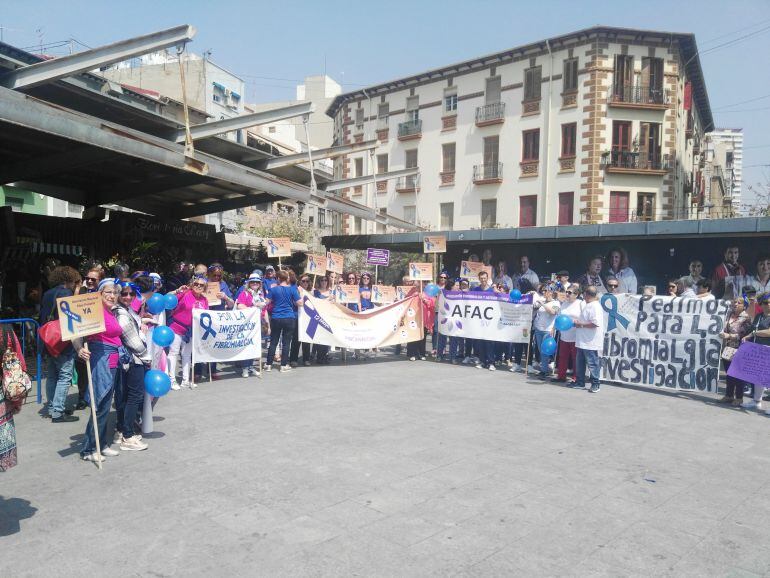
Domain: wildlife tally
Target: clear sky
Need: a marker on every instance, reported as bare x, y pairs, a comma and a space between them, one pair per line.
273, 45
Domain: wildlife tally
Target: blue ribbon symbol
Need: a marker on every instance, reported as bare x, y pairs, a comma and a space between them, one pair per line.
71, 317
315, 319
272, 246
615, 317
207, 327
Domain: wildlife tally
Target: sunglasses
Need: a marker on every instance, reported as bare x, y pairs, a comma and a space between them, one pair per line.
304, 280
570, 293
612, 286
127, 293
92, 280
198, 284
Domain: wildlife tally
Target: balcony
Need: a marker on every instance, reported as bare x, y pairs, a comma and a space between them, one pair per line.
488, 173
410, 184
490, 114
447, 178
633, 162
639, 96
410, 130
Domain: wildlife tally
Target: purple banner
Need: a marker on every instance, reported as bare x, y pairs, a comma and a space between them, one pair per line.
486, 296
751, 363
378, 257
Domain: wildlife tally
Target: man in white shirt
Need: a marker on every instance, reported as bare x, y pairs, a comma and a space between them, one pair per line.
502, 277
525, 273
589, 340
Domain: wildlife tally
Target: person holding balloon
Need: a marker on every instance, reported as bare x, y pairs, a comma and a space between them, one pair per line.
548, 308
570, 308
181, 325
129, 393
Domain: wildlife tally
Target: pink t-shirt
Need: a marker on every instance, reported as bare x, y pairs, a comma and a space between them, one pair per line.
183, 312
110, 335
247, 299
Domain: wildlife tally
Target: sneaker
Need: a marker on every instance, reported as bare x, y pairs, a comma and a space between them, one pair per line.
726, 399
133, 444
422, 358
475, 359
595, 388
94, 457
518, 369
245, 372
306, 363
175, 386
64, 418
109, 452
576, 385
479, 366
185, 385
192, 385
466, 360
293, 364
254, 370
455, 362
748, 404
117, 438
268, 368
285, 368
736, 403
412, 359
492, 368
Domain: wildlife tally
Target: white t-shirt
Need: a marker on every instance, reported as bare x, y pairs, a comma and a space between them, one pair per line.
572, 310
543, 319
591, 338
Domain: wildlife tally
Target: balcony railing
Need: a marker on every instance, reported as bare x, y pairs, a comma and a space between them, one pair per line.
409, 184
627, 161
488, 173
490, 114
639, 94
410, 129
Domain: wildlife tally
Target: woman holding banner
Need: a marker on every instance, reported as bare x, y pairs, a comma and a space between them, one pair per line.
304, 284
322, 291
251, 296
737, 327
105, 352
181, 325
285, 300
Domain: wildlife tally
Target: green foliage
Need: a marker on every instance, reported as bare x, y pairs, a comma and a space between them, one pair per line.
283, 224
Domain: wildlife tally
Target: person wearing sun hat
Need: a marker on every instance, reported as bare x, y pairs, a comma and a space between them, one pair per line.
251, 296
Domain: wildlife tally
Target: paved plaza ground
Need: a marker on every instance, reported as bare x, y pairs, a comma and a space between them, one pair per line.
398, 468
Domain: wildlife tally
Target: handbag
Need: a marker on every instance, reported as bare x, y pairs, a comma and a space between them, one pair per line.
50, 335
728, 352
16, 382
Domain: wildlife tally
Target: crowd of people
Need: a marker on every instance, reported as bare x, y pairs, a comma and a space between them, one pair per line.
125, 350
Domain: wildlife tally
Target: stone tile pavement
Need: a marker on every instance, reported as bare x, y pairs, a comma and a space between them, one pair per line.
397, 468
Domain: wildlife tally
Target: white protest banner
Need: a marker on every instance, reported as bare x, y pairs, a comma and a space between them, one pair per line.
663, 341
484, 315
325, 323
226, 335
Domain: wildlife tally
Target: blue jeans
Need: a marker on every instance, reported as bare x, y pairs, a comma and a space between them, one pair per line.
58, 381
544, 359
129, 397
590, 358
456, 347
486, 352
283, 329
102, 413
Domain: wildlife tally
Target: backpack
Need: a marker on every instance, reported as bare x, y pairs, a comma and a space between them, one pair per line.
16, 382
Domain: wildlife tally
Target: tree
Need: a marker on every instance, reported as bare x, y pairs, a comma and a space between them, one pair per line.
282, 224
761, 205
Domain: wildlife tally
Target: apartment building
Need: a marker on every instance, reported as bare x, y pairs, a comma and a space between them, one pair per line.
595, 126
732, 138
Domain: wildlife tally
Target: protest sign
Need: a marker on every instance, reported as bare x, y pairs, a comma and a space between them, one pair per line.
335, 263
663, 341
347, 294
80, 315
403, 291
470, 270
325, 323
231, 335
279, 247
382, 294
751, 363
378, 257
316, 264
212, 288
434, 244
484, 315
421, 271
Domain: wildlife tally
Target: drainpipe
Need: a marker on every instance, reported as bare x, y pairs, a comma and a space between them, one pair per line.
546, 164
371, 168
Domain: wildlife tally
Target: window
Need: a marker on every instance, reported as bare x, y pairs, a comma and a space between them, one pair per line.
729, 159
532, 83
649, 145
410, 214
271, 130
382, 163
450, 100
531, 145
645, 207
357, 226
566, 207
359, 118
359, 167
383, 110
568, 136
621, 135
321, 217
528, 211
491, 151
217, 98
447, 216
413, 108
623, 77
618, 207
570, 77
448, 157
410, 159
652, 77
492, 93
489, 213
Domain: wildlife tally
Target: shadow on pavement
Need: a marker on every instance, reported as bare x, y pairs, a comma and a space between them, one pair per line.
12, 511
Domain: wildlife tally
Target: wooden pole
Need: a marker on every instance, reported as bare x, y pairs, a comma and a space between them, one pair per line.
93, 411
210, 378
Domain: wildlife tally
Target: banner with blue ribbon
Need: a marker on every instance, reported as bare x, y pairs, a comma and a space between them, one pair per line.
315, 320
205, 323
72, 317
612, 311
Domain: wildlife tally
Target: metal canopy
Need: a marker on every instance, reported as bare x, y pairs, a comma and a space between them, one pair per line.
327, 153
367, 179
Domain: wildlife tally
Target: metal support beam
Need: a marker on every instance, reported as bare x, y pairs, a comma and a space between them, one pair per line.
223, 205
131, 191
365, 180
57, 68
216, 127
75, 196
45, 166
327, 153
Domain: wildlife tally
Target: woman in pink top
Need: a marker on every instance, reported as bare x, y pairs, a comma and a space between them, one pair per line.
181, 325
105, 351
251, 296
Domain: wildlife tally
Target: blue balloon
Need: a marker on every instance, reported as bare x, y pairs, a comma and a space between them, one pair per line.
156, 304
515, 294
162, 336
157, 383
170, 301
548, 347
563, 323
431, 290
